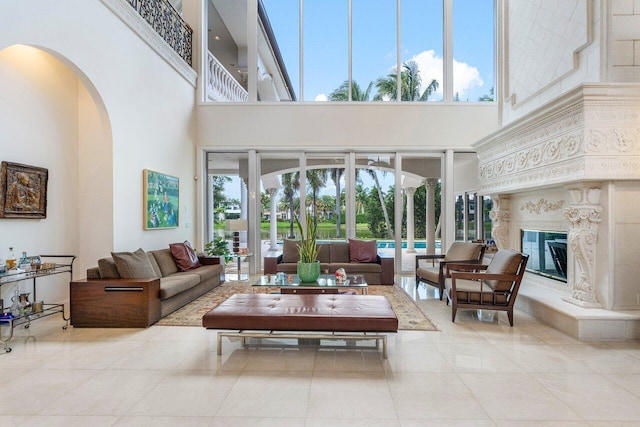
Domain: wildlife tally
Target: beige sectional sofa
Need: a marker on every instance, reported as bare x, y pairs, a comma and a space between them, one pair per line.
332, 256
106, 299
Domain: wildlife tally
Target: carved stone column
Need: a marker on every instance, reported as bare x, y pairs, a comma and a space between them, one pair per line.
410, 191
584, 216
273, 220
430, 185
500, 217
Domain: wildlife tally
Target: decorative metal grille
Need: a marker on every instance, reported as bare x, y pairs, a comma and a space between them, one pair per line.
168, 23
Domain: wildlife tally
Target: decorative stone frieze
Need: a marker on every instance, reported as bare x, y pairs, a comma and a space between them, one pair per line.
590, 133
541, 205
584, 217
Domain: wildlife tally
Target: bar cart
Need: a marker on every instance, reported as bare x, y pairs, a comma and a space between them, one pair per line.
61, 264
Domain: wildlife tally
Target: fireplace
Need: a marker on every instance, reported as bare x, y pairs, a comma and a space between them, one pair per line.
547, 252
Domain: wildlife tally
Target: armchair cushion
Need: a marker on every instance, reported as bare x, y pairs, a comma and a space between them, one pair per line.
431, 274
463, 251
505, 261
471, 291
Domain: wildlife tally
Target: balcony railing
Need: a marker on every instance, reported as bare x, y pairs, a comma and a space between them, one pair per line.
221, 86
168, 23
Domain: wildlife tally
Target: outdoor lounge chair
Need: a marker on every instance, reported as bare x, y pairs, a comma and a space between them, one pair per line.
432, 273
487, 287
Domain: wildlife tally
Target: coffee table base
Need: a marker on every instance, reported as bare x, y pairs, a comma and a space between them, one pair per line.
302, 335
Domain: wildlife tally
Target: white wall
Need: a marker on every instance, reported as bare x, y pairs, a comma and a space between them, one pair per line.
624, 243
140, 115
624, 41
39, 127
428, 126
547, 48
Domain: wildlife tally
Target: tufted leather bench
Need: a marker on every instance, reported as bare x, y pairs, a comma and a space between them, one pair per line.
303, 313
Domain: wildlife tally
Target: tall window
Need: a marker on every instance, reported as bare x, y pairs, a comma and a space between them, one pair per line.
473, 52
337, 49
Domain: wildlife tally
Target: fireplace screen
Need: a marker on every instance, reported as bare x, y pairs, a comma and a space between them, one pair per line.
547, 253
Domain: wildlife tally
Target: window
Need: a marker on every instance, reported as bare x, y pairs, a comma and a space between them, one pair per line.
337, 45
473, 58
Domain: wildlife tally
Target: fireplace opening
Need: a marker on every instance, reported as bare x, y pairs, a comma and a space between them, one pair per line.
547, 252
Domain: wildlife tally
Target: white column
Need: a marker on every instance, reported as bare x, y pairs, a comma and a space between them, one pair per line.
584, 216
273, 220
410, 191
500, 217
430, 185
448, 223
243, 199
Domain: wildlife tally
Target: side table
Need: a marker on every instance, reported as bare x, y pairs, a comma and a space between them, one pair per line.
239, 276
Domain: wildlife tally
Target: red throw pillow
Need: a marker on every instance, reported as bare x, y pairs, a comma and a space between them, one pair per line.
363, 250
184, 256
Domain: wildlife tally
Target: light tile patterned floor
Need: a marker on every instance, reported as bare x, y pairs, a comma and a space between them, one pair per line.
470, 373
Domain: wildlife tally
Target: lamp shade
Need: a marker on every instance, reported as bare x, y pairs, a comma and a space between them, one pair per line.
237, 225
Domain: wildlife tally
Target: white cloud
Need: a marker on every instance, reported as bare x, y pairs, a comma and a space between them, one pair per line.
321, 97
465, 76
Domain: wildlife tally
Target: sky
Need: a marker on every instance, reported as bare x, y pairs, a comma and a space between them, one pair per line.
374, 44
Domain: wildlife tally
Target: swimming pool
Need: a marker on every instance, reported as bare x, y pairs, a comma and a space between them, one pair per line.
392, 245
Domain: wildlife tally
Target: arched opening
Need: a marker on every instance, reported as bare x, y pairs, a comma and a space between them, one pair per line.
54, 118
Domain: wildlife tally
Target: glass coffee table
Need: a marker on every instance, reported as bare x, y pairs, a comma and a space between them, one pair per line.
326, 284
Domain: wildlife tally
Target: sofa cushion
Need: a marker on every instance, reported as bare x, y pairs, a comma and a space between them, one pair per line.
324, 253
505, 261
177, 283
154, 264
290, 251
363, 250
184, 256
108, 269
463, 251
133, 265
165, 261
207, 272
339, 252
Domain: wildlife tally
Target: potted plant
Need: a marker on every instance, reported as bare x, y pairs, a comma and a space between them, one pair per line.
308, 266
219, 247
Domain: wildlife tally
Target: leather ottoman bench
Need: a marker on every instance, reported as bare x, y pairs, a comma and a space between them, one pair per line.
290, 315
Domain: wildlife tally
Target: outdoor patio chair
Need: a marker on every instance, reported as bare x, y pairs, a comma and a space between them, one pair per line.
486, 287
432, 273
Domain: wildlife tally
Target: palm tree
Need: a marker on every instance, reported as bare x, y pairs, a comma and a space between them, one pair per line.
374, 175
316, 179
410, 81
342, 93
336, 174
290, 184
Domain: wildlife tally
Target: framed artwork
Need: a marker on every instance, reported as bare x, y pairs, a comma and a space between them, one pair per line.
23, 191
161, 200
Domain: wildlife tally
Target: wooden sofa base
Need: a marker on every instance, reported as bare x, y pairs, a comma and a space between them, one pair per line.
306, 335
115, 303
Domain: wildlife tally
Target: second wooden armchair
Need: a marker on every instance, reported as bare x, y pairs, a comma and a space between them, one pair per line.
430, 268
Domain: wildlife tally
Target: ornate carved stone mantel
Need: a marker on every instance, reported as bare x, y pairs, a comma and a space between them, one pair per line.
584, 216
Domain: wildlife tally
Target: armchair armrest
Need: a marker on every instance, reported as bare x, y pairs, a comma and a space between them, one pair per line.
271, 264
432, 257
480, 276
456, 266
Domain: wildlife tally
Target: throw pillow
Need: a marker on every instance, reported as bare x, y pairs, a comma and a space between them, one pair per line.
363, 250
290, 251
184, 256
133, 265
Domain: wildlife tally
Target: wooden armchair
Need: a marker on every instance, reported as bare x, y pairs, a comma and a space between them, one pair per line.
433, 273
487, 287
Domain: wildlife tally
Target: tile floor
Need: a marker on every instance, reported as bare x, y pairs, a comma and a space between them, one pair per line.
470, 373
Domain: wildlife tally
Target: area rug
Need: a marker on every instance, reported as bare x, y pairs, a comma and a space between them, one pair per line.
410, 316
